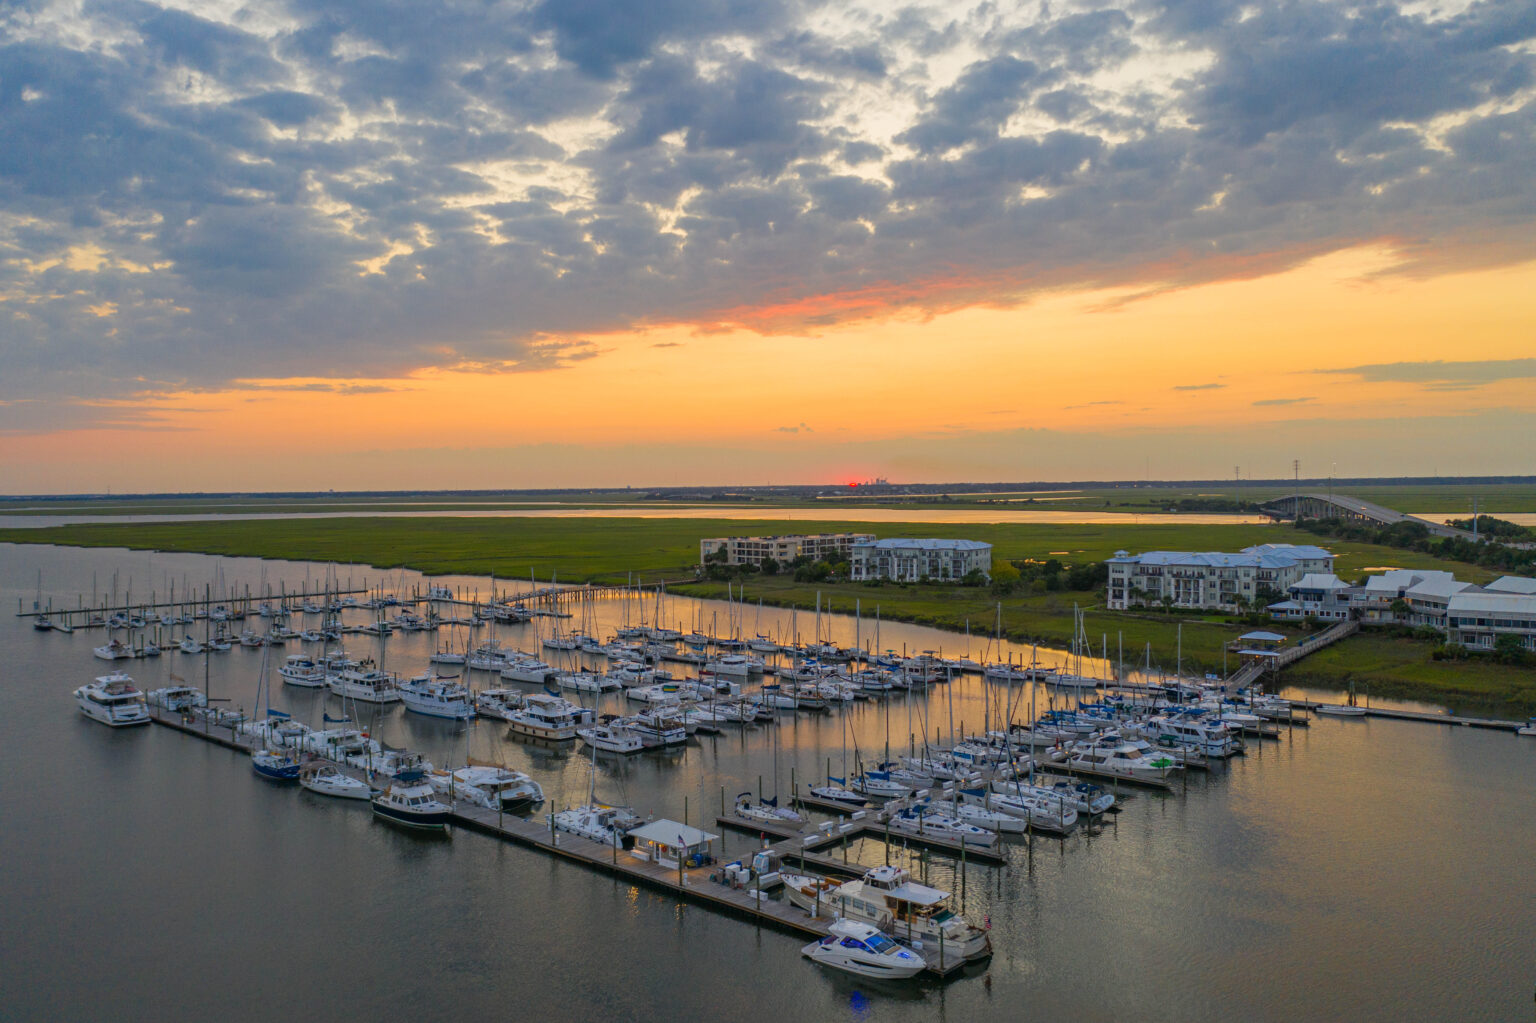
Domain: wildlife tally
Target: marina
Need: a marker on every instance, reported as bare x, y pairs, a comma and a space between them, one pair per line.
834, 844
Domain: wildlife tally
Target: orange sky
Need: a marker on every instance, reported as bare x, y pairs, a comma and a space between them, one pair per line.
903, 396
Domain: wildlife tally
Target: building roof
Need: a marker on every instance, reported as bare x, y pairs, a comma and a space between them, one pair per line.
673, 833
1206, 559
1319, 581
1296, 551
1501, 603
1511, 584
904, 544
1441, 585
1262, 637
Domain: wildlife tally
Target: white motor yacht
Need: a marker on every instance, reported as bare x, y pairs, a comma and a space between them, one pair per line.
1123, 759
498, 703
543, 716
924, 820
879, 784
612, 738
113, 700
114, 650
860, 949
302, 670
888, 898
526, 669
659, 727
663, 692
489, 786
176, 698
606, 825
437, 697
583, 682
366, 684
767, 810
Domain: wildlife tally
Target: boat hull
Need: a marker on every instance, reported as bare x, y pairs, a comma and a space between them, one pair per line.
435, 820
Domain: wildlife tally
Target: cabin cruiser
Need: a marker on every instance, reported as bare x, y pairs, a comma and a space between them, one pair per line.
114, 650
448, 657
410, 802
888, 898
606, 825
366, 684
660, 727
879, 784
302, 670
663, 692
343, 745
113, 700
736, 665
498, 703
1207, 736
767, 810
437, 697
391, 763
860, 949
176, 698
584, 682
1079, 796
526, 669
808, 891
1039, 811
835, 793
488, 657
701, 717
924, 820
327, 780
992, 820
495, 788
611, 737
543, 716
1116, 756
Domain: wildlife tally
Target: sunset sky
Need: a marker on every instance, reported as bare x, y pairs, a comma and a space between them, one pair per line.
472, 245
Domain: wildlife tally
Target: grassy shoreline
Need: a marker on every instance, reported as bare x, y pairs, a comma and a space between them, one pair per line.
574, 550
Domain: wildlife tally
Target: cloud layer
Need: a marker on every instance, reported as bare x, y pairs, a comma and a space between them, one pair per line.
310, 190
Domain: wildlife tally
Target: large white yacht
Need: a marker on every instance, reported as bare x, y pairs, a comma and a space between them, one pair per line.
366, 684
606, 825
543, 716
888, 898
113, 700
437, 697
860, 949
612, 738
488, 786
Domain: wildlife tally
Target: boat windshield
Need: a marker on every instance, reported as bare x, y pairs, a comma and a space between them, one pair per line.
879, 943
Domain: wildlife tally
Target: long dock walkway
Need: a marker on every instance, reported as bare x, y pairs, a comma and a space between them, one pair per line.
691, 884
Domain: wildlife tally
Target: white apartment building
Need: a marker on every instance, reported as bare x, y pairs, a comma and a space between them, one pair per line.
1474, 616
912, 560
751, 550
1211, 579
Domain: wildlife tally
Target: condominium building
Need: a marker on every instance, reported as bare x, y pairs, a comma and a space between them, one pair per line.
1211, 579
751, 550
912, 560
1474, 616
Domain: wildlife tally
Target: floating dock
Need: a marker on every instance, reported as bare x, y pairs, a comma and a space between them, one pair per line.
691, 884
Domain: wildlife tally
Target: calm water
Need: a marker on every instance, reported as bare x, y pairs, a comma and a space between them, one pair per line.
1358, 869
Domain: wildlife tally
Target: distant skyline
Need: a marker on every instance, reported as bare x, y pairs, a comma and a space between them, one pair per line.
303, 246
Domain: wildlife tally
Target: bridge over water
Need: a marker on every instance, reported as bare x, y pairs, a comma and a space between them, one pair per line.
1352, 509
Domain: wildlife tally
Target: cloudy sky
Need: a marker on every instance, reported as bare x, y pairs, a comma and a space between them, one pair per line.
388, 243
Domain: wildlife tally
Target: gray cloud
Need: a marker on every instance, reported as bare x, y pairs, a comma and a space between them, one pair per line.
1198, 387
391, 186
1282, 401
1444, 376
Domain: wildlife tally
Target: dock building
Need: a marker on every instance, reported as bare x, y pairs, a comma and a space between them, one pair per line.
907, 560
1210, 580
751, 550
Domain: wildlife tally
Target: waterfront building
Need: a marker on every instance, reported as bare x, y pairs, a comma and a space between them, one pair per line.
1474, 616
751, 550
1210, 580
911, 560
